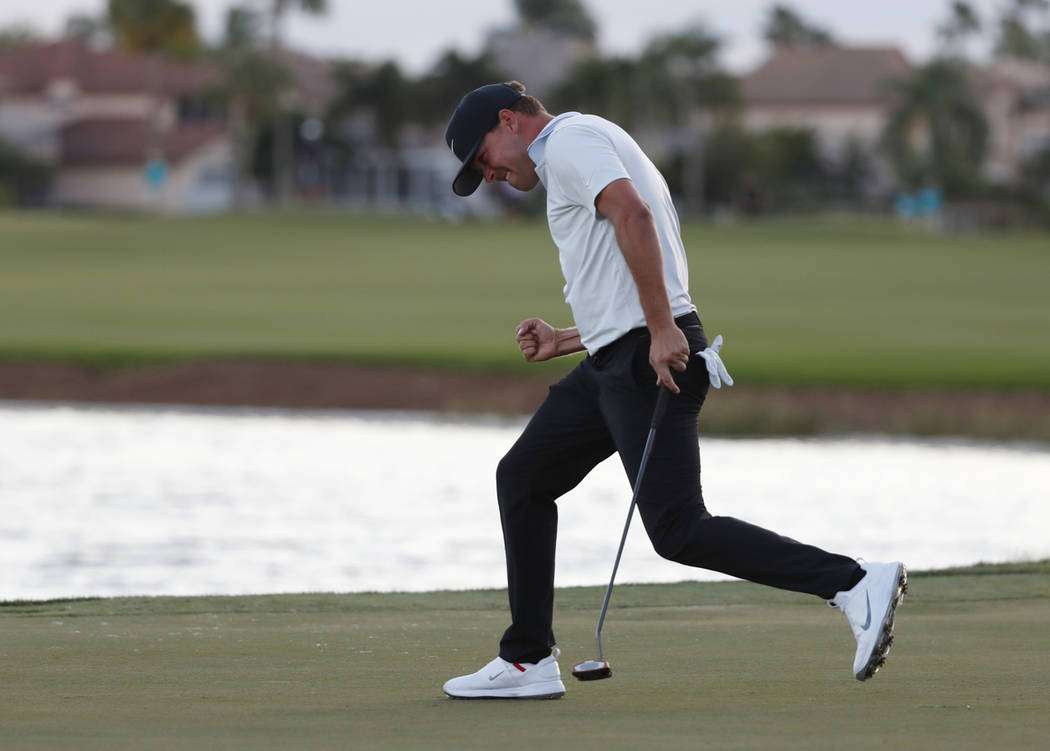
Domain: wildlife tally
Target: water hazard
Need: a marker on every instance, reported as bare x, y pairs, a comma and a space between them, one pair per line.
128, 501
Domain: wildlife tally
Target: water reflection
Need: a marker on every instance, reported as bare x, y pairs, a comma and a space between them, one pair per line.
115, 501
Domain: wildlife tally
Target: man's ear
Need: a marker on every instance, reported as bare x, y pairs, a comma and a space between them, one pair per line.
508, 120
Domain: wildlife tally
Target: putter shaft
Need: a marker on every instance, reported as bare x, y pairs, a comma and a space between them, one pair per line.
658, 412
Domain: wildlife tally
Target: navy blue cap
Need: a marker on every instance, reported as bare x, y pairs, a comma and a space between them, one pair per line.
476, 115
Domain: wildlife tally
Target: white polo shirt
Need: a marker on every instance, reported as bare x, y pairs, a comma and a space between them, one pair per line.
576, 157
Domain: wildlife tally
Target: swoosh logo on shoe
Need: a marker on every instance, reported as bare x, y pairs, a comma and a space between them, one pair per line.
497, 675
867, 621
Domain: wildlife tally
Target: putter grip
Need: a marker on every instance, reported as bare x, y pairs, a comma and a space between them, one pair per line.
661, 406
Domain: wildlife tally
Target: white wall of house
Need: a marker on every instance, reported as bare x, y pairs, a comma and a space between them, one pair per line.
114, 187
834, 125
31, 124
1015, 133
201, 183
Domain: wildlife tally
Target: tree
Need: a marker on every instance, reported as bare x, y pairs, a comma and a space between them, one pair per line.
602, 86
151, 26
382, 90
24, 180
252, 82
786, 28
283, 140
449, 79
937, 133
674, 82
730, 168
243, 28
963, 22
278, 8
680, 72
568, 16
679, 80
1019, 32
16, 35
1035, 174
88, 27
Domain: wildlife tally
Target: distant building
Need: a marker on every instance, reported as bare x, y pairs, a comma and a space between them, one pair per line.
1015, 97
840, 94
123, 131
837, 92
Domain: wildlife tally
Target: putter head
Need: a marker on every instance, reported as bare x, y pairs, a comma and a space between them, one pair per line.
591, 670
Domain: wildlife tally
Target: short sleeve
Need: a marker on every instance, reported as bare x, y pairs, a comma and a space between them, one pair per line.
583, 161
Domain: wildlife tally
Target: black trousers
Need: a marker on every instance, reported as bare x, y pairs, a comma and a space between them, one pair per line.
603, 406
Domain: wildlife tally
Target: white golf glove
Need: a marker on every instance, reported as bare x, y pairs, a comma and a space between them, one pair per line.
716, 369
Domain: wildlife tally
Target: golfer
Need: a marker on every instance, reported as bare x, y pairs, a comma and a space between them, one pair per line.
626, 282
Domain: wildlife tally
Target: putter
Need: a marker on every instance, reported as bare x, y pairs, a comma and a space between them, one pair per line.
594, 670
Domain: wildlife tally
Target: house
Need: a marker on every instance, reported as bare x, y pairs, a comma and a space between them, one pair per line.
1015, 97
123, 131
837, 92
840, 94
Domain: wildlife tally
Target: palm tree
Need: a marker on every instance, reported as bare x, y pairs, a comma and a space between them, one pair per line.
674, 82
450, 78
681, 81
252, 82
962, 23
383, 90
1018, 34
937, 132
16, 35
786, 28
150, 26
568, 16
283, 136
601, 86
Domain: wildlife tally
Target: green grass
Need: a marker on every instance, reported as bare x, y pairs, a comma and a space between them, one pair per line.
822, 302
696, 665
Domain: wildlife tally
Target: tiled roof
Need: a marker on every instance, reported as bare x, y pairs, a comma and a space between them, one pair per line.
30, 68
824, 75
129, 141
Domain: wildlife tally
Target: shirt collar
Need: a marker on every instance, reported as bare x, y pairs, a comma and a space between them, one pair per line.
538, 148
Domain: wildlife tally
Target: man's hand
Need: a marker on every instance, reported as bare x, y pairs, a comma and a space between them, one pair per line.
537, 340
669, 351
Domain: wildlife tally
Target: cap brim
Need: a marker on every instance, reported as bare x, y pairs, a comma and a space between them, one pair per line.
467, 179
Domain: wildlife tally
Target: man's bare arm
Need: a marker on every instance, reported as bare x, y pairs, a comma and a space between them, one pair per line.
639, 242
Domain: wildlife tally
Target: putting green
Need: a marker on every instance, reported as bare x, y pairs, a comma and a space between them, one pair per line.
696, 665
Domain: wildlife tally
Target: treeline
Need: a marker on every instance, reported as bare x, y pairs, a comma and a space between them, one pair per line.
676, 86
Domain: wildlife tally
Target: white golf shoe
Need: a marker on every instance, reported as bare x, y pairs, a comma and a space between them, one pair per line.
511, 680
869, 607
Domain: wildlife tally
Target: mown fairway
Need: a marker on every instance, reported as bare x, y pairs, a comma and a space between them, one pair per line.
728, 665
819, 302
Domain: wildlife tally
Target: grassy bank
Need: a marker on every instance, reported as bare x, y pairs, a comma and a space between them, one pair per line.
711, 665
825, 303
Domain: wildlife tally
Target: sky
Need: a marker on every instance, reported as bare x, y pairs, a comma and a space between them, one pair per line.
416, 32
